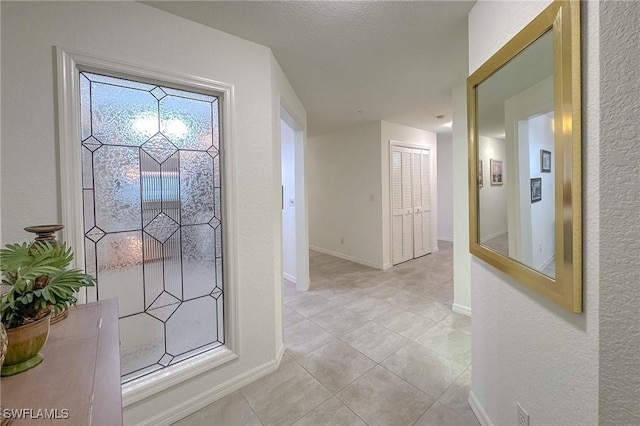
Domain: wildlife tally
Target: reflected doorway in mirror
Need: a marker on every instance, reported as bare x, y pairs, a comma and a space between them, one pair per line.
536, 190
480, 183
496, 172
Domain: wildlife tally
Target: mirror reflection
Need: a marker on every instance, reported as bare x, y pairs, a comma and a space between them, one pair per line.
516, 179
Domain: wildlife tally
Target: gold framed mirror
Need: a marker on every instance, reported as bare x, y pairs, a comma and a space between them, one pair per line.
524, 113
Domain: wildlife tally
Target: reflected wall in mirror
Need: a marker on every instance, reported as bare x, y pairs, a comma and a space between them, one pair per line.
524, 110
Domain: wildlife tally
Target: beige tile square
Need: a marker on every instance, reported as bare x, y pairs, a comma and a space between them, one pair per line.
457, 395
347, 296
375, 341
449, 342
285, 396
369, 307
309, 304
405, 323
439, 415
304, 337
394, 295
426, 370
440, 294
382, 398
339, 321
458, 321
331, 413
286, 358
291, 316
430, 309
336, 365
233, 409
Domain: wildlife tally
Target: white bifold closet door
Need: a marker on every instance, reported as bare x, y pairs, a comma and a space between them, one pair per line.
411, 203
421, 205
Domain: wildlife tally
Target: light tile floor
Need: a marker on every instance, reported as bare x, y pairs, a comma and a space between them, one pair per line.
364, 347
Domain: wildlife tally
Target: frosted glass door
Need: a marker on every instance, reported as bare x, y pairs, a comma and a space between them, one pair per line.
152, 216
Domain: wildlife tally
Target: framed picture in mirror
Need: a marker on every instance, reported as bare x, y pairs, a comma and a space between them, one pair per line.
536, 190
496, 172
545, 161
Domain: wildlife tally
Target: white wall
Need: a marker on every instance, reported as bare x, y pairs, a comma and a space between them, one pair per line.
29, 154
445, 186
492, 199
421, 138
461, 256
620, 232
289, 198
525, 348
343, 172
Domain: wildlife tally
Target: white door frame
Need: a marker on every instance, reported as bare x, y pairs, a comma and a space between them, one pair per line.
433, 182
302, 218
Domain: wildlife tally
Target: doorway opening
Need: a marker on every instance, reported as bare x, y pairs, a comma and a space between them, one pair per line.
295, 240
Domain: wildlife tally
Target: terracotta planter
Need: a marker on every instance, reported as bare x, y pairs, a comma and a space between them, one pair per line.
3, 343
24, 343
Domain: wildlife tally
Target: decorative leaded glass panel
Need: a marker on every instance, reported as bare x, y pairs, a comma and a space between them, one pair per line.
152, 216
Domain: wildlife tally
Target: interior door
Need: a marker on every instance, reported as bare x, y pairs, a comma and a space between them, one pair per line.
421, 202
402, 205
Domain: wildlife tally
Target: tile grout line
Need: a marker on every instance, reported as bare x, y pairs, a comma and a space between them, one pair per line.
247, 402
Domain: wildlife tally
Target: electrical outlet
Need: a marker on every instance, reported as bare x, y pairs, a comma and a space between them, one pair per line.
342, 241
523, 416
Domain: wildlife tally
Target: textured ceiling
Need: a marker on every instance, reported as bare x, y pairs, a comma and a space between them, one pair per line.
358, 61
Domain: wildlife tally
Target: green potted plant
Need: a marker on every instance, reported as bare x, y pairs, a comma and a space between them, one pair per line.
40, 282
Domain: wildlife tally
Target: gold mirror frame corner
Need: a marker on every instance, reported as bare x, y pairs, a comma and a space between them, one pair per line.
563, 18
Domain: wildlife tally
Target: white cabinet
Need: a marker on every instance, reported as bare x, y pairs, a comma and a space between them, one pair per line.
411, 203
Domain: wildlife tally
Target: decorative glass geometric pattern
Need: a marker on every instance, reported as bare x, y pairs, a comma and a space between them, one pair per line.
152, 216
161, 228
159, 148
158, 93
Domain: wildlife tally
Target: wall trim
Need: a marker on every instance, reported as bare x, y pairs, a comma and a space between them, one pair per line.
448, 239
386, 266
347, 257
461, 309
190, 406
289, 277
477, 409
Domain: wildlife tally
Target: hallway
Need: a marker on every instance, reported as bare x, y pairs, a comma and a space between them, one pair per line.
364, 346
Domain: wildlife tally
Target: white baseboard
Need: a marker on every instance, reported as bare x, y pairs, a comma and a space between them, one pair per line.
347, 257
386, 266
477, 409
492, 236
546, 263
289, 277
190, 406
449, 239
461, 309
